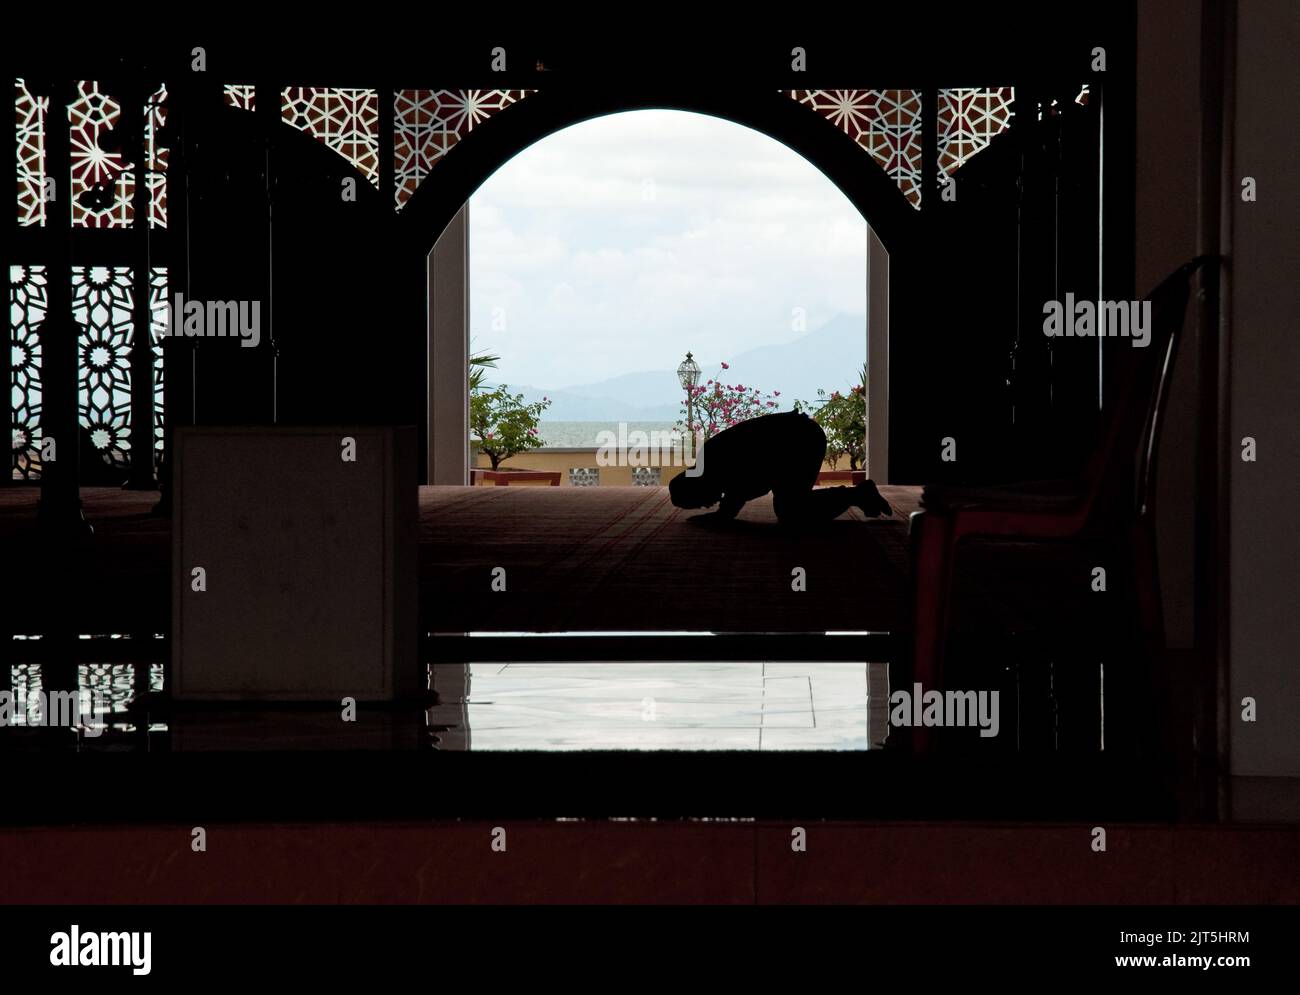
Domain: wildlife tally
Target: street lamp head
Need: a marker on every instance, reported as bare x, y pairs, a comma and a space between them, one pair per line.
688, 373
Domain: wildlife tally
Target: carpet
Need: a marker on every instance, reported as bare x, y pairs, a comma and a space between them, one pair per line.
607, 558
624, 559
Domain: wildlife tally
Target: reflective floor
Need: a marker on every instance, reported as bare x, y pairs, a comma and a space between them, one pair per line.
660, 706
113, 684
488, 707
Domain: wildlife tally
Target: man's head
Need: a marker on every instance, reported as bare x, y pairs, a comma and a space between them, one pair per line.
692, 492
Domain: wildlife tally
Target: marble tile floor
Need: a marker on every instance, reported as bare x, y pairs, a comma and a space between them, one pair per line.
660, 706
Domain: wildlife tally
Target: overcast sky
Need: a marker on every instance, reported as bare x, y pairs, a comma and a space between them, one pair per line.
618, 244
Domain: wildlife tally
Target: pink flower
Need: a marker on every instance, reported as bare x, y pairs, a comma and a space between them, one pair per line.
776, 393
725, 366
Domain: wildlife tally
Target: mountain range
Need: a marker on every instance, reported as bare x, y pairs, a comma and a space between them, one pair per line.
829, 358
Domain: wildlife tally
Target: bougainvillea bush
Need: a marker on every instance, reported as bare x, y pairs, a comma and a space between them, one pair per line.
717, 405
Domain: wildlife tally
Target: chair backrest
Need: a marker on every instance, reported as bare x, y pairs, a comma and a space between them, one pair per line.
1129, 441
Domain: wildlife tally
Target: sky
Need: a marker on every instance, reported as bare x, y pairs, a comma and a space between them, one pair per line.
618, 244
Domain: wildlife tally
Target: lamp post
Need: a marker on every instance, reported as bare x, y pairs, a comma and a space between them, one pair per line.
688, 375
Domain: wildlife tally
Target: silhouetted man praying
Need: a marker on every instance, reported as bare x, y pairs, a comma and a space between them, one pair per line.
781, 453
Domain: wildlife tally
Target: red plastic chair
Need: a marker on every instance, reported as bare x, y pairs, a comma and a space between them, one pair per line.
1107, 502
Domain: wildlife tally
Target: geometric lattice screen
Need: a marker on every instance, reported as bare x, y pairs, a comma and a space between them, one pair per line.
427, 124
103, 301
101, 305
157, 331
345, 120
968, 119
27, 303
155, 120
886, 123
30, 114
101, 181
240, 95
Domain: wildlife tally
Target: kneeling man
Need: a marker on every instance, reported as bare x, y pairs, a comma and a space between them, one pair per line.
781, 453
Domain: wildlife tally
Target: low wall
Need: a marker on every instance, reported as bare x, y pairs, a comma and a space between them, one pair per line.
562, 459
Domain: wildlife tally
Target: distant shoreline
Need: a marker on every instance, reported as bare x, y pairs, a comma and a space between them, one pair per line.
584, 434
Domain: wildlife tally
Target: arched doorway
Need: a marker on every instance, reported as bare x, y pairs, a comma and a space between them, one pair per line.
435, 221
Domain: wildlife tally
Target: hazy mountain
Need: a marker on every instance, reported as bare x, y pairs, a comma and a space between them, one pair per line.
829, 357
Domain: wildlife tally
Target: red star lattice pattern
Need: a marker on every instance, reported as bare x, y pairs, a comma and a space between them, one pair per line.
155, 168
968, 119
428, 123
241, 96
106, 176
886, 123
29, 116
344, 120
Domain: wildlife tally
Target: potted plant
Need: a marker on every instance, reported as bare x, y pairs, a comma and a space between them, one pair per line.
479, 364
843, 417
503, 424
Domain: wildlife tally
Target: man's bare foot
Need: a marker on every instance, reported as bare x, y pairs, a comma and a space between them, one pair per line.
870, 501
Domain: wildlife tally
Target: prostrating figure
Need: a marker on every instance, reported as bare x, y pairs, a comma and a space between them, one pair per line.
781, 453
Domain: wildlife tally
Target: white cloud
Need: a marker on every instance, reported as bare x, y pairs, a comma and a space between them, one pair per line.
620, 243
